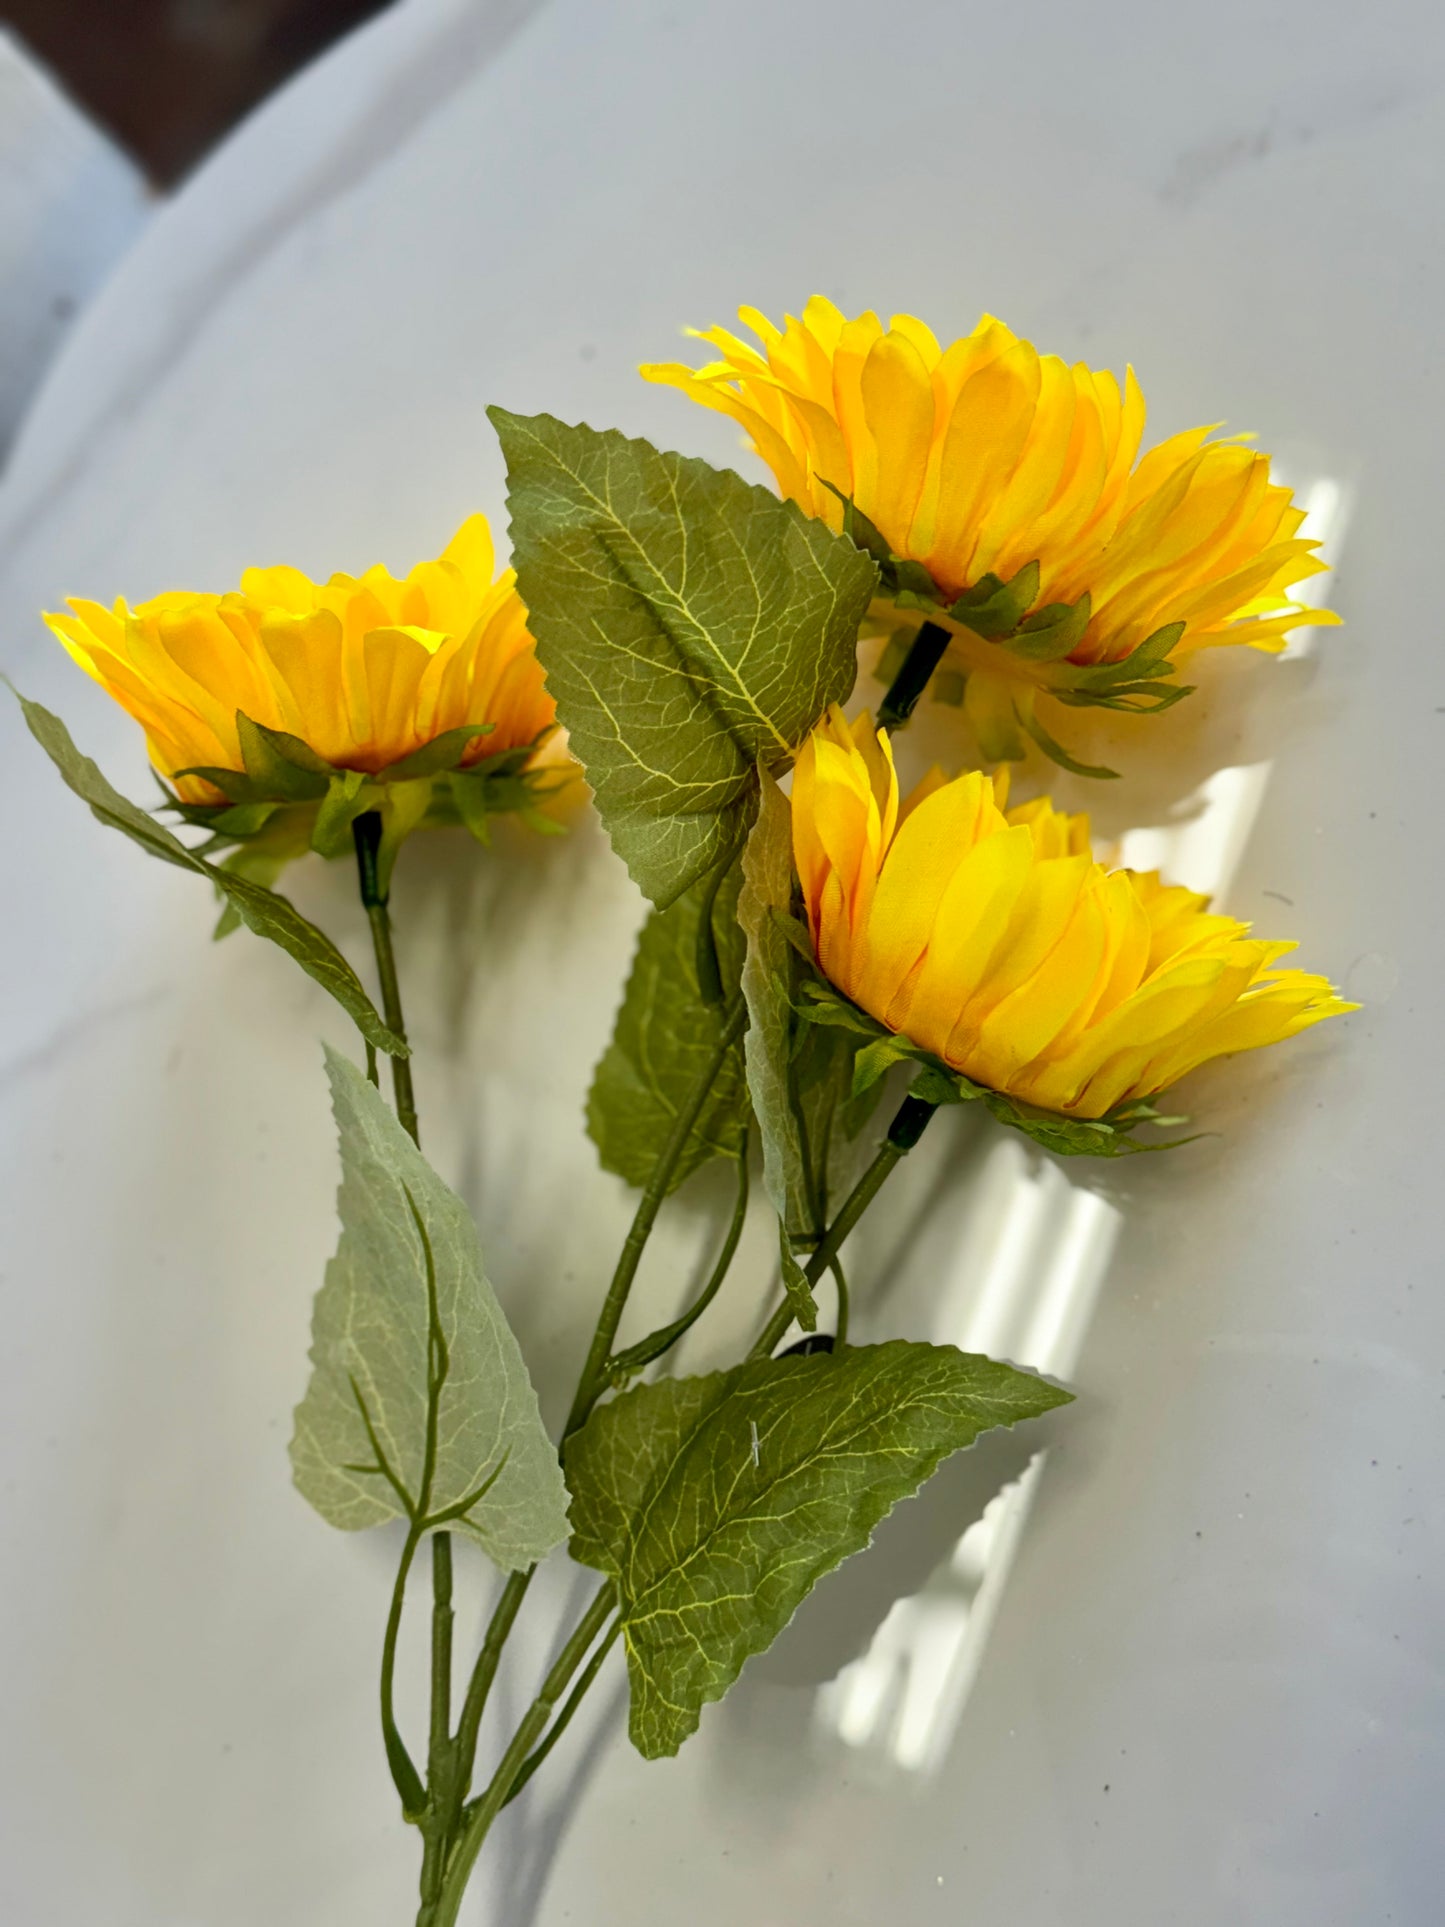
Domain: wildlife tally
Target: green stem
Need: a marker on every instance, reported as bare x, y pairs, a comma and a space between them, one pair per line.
439, 1819
403, 1771
480, 1814
590, 1387
574, 1700
366, 834
840, 1338
909, 1123
925, 652
485, 1671
622, 1365
593, 1381
441, 1649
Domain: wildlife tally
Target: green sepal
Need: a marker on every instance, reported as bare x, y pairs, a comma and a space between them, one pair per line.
1054, 750
993, 608
402, 808
1135, 698
1151, 658
924, 601
939, 1083
999, 612
241, 822
348, 795
500, 785
234, 784
1053, 632
913, 581
860, 530
1136, 683
279, 764
796, 932
443, 752
873, 1062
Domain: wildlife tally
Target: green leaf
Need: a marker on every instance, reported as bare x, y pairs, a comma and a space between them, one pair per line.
666, 1033
717, 1503
276, 918
260, 909
690, 625
419, 1405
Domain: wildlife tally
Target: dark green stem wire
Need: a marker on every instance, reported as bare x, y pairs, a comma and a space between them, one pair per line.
366, 834
925, 652
909, 1123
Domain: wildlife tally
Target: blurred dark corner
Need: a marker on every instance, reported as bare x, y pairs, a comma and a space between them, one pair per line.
167, 78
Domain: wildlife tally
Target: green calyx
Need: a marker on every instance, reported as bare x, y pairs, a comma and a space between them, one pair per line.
1039, 642
287, 799
1110, 1136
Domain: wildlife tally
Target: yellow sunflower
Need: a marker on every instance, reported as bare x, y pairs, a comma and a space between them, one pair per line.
408, 696
991, 939
1004, 493
365, 671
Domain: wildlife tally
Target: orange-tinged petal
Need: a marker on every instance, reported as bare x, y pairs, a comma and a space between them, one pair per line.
980, 457
364, 669
999, 945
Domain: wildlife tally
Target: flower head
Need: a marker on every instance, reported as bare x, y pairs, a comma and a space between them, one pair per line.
282, 711
1007, 487
365, 671
991, 939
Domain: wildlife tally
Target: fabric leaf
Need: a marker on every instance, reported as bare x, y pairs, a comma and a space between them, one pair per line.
717, 1503
419, 1405
690, 624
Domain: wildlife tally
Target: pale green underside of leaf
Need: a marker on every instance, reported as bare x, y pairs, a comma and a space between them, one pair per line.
257, 907
690, 625
664, 1037
718, 1503
371, 1355
767, 979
